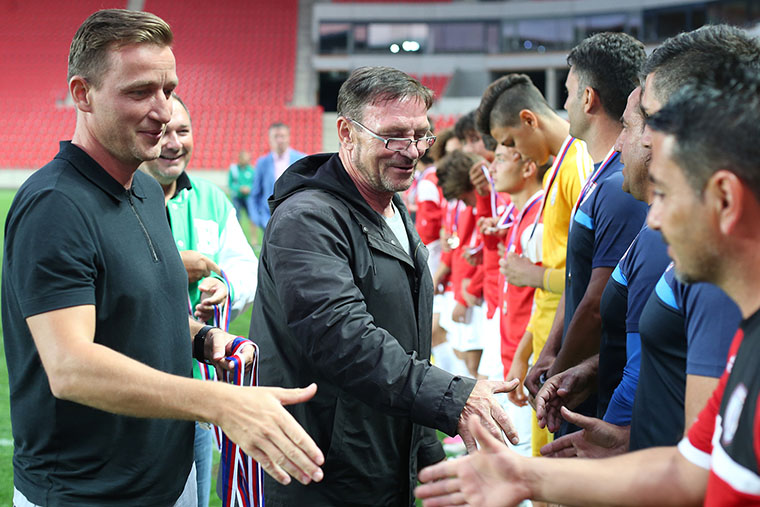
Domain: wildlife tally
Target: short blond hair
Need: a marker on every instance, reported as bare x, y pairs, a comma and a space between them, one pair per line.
110, 29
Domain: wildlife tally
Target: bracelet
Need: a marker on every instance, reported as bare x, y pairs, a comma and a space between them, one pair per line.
199, 344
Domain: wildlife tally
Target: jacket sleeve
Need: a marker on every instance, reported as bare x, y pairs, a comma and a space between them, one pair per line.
239, 263
309, 255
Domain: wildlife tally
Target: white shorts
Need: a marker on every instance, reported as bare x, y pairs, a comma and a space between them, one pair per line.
470, 331
445, 307
490, 362
439, 303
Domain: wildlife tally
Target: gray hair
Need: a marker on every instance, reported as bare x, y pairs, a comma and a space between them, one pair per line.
372, 85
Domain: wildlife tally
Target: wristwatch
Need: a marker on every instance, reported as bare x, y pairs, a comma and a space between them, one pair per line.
199, 344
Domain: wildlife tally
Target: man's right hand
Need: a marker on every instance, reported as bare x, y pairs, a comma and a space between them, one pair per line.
490, 477
267, 432
198, 266
569, 389
482, 404
478, 178
540, 367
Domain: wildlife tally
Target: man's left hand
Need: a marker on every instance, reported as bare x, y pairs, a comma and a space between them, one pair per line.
567, 389
482, 404
218, 346
213, 292
597, 439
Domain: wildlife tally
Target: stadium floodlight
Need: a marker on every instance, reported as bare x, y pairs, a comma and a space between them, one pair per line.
395, 48
410, 45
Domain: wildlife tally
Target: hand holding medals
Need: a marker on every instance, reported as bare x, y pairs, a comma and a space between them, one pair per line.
520, 271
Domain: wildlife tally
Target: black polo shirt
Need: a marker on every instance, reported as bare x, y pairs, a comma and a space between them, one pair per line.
74, 236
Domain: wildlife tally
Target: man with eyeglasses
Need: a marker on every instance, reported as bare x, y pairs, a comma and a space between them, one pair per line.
345, 299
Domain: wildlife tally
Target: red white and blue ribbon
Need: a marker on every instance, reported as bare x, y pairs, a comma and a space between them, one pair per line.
535, 198
590, 184
553, 176
242, 477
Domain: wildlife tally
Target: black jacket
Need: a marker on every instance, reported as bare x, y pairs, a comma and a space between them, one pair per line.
339, 303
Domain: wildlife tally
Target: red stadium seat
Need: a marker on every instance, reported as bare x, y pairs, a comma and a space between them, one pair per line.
235, 62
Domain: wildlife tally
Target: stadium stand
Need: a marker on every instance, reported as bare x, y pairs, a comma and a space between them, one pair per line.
436, 82
235, 61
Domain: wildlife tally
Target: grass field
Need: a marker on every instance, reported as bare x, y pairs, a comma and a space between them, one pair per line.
6, 440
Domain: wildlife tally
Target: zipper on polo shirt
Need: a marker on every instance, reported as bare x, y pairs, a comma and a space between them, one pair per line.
142, 226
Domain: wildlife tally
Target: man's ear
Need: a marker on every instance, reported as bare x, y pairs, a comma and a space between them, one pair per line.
590, 99
529, 170
79, 89
725, 195
344, 133
529, 118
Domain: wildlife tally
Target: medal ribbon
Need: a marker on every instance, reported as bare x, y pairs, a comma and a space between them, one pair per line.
513, 235
242, 477
591, 181
494, 195
552, 176
507, 218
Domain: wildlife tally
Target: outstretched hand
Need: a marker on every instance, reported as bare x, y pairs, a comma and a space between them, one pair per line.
490, 477
259, 423
597, 439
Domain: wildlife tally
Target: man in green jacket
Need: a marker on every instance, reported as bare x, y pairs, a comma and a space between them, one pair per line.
209, 238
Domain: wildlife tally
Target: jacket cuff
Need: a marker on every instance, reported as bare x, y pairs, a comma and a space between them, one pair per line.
440, 400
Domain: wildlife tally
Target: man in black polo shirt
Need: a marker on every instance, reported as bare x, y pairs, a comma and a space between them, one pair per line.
94, 304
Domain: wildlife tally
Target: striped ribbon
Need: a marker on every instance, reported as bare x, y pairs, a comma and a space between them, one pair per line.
242, 477
590, 183
517, 222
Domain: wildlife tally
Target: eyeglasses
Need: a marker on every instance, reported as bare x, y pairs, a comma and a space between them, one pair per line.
401, 143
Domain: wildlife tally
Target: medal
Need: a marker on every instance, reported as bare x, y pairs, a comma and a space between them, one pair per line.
453, 241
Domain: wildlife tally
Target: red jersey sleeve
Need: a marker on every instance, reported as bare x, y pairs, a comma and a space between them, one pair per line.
476, 282
697, 446
428, 221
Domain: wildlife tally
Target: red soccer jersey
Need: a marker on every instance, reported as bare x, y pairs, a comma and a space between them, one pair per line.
724, 437
460, 269
431, 207
491, 286
516, 303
